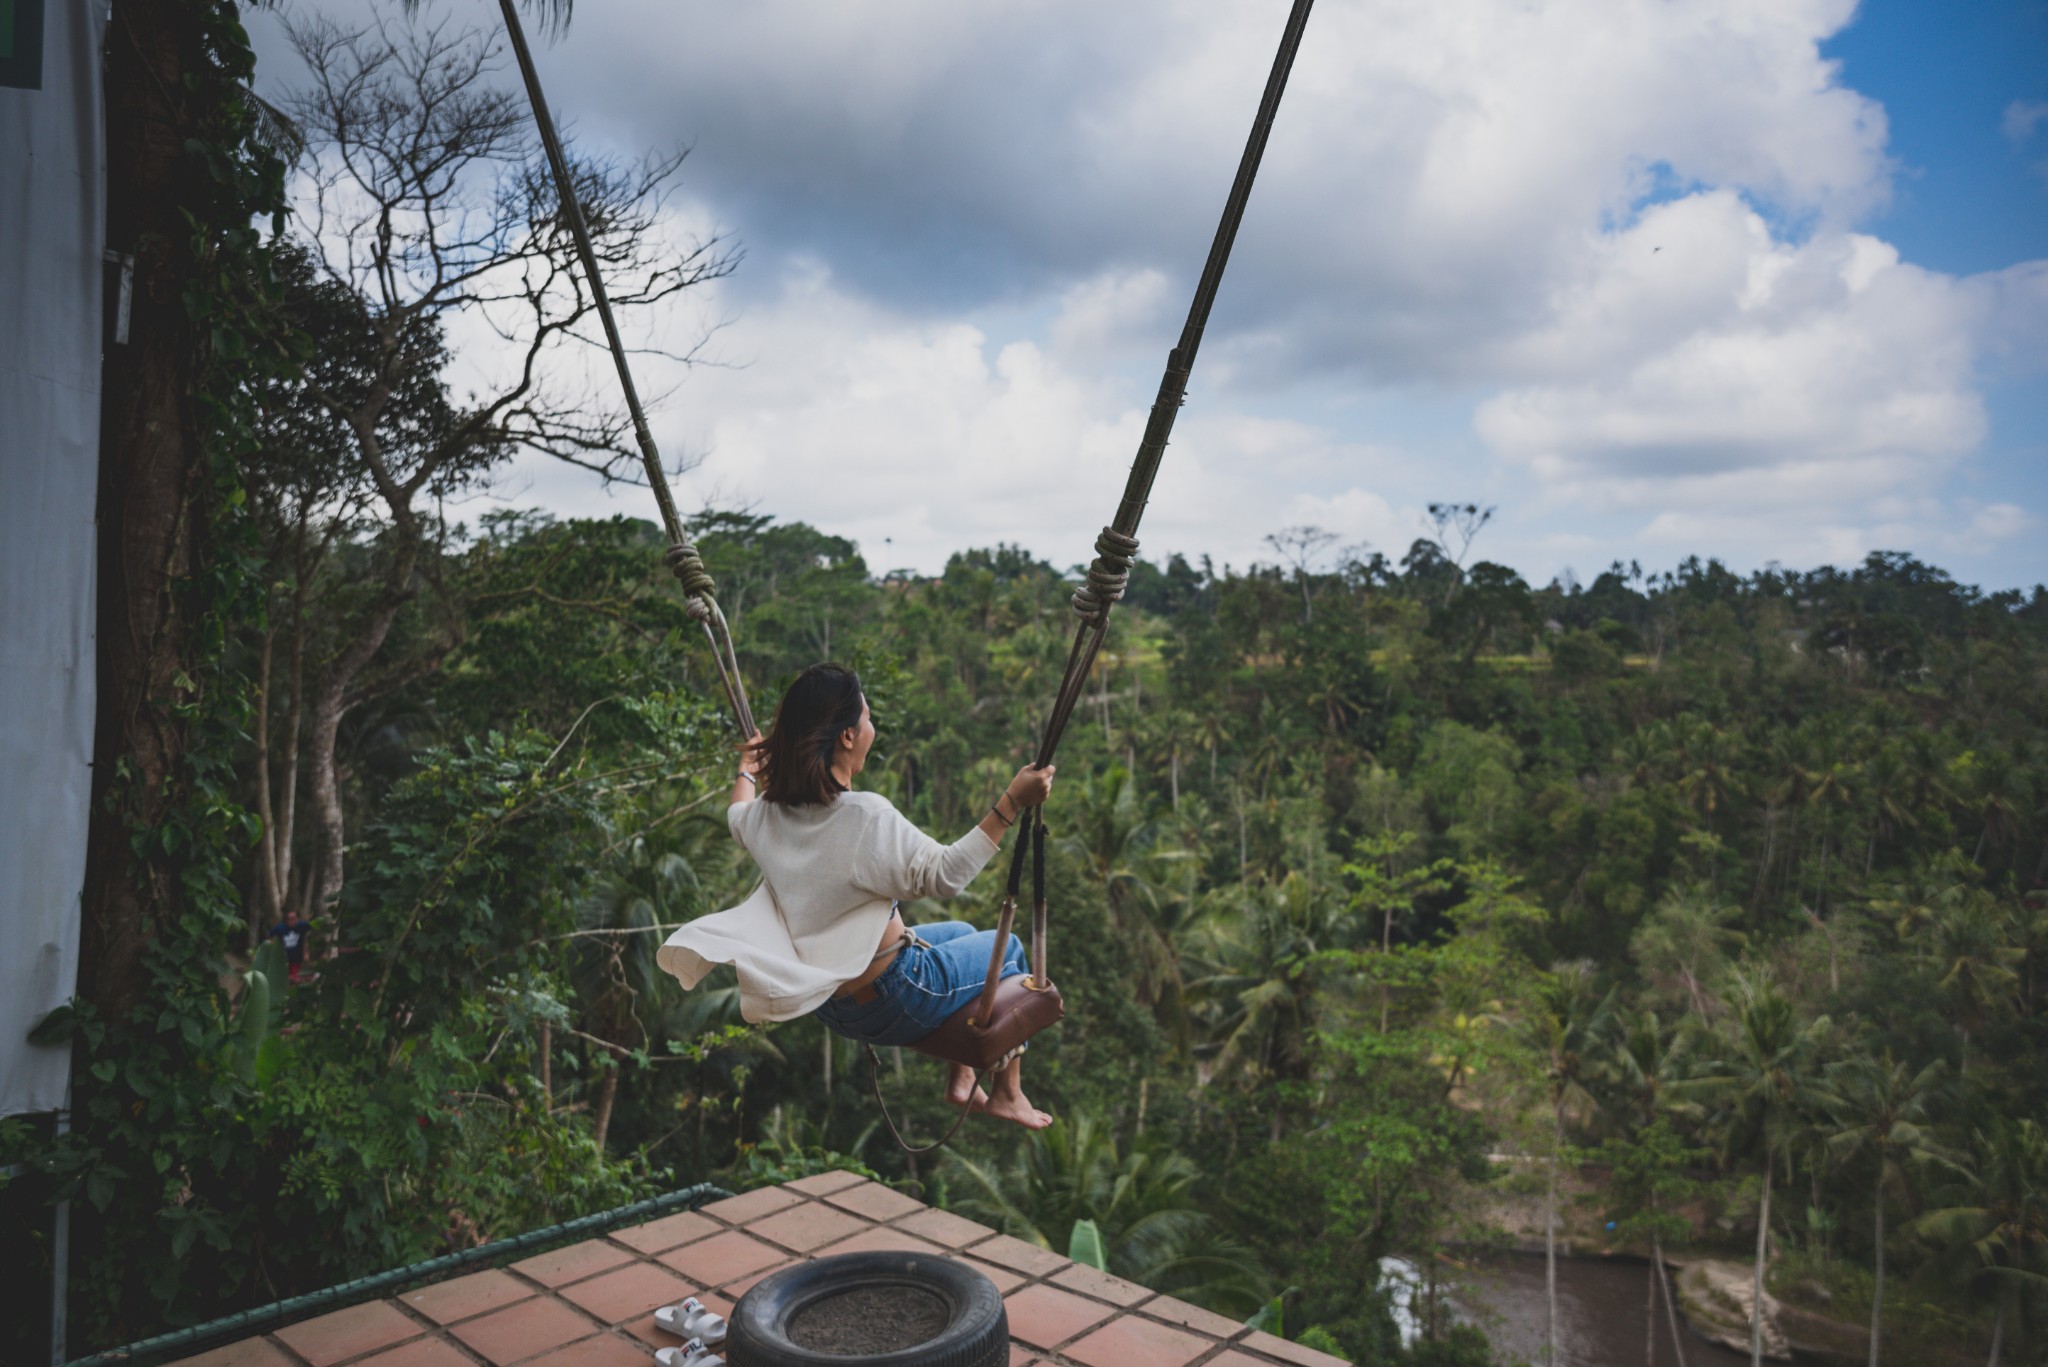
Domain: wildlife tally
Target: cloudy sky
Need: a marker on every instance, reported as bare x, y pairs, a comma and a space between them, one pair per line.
1756, 279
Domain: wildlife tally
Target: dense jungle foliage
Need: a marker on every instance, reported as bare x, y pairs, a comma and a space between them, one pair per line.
1384, 891
1366, 881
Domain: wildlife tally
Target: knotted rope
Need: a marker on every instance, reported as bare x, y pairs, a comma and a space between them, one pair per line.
1108, 577
700, 601
699, 592
699, 588
1116, 549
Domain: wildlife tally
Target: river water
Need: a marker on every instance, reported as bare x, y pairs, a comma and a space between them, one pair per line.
1600, 1307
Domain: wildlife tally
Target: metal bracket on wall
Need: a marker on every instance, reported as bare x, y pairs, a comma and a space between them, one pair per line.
124, 295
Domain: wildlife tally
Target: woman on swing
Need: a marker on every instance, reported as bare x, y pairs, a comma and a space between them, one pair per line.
822, 934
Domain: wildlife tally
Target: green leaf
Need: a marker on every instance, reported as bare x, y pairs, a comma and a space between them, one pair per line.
269, 1059
1084, 1246
1272, 1316
56, 1028
252, 1026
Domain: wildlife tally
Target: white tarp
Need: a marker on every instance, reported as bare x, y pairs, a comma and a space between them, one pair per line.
52, 220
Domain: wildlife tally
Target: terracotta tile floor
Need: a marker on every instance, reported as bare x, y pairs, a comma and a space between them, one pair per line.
590, 1304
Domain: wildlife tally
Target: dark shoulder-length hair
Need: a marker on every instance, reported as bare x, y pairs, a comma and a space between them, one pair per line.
797, 753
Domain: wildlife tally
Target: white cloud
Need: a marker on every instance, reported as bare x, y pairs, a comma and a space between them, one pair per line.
918, 439
1113, 313
1999, 521
1624, 234
2021, 118
1707, 362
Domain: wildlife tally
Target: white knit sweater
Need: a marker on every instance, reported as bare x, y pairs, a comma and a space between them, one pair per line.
830, 874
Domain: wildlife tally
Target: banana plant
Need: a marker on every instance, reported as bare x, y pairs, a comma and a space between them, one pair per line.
1084, 1246
256, 1043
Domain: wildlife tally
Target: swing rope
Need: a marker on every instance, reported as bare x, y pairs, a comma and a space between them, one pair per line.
700, 591
1116, 548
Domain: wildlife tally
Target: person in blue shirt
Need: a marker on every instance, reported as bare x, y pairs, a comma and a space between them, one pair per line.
291, 932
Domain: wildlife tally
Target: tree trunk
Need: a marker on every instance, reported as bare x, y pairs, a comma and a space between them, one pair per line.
294, 722
1997, 1331
331, 703
1550, 1235
1650, 1321
1670, 1301
547, 1067
153, 503
607, 1093
827, 1069
266, 896
1877, 1288
1763, 1233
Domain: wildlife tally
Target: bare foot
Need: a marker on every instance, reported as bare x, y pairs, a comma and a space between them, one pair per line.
957, 1083
1009, 1104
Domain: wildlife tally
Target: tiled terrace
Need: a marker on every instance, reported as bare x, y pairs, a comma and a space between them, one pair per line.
592, 1304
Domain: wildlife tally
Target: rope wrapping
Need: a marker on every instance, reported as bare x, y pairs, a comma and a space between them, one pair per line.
1108, 576
698, 588
688, 567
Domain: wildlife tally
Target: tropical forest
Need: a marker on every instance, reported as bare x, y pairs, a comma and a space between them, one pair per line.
1412, 919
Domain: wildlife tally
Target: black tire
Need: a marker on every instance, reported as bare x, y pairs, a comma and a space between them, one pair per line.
976, 1332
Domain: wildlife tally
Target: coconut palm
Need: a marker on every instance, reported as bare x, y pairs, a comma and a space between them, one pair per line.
1561, 1024
1880, 1108
1708, 761
1763, 1075
1966, 934
1887, 788
612, 959
1254, 975
1645, 1066
1145, 1201
2006, 1225
1117, 842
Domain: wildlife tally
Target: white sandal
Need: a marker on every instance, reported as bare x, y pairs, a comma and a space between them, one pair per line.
691, 1354
689, 1319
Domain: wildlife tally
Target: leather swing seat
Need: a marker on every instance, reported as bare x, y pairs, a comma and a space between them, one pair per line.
989, 1030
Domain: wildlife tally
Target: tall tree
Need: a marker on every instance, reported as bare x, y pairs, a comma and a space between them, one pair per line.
425, 202
2004, 1219
1881, 1109
1561, 1025
186, 173
1765, 1072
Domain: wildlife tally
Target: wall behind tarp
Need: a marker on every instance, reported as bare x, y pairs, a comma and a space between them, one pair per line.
52, 217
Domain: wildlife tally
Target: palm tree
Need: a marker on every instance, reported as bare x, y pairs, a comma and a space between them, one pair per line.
2007, 1226
1116, 839
1887, 787
1146, 1203
624, 1001
1824, 778
1561, 1025
1763, 1076
1999, 796
1880, 1108
1646, 1066
1708, 762
1978, 968
1255, 980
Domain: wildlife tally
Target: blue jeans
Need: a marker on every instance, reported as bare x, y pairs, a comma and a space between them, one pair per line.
940, 968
